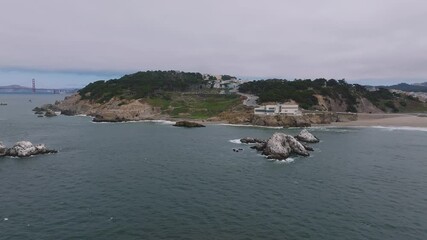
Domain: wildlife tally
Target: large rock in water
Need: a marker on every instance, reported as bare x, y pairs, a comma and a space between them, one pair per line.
3, 149
26, 149
188, 124
306, 136
281, 146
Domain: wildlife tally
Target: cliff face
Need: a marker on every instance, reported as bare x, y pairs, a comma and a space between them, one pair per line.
247, 117
113, 110
301, 121
339, 105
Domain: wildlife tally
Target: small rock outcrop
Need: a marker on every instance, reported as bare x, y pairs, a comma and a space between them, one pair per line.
50, 113
280, 146
68, 112
24, 149
188, 124
306, 136
251, 140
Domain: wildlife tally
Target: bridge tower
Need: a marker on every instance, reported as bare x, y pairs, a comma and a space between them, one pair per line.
34, 85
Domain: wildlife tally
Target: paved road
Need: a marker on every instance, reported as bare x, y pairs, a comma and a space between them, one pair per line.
250, 100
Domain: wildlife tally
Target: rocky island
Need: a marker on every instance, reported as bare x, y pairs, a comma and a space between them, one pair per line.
24, 149
280, 146
171, 95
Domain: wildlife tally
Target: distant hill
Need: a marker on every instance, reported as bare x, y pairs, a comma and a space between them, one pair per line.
14, 87
420, 87
421, 84
22, 89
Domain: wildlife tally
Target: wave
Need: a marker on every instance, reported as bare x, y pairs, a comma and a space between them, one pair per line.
285, 161
165, 122
244, 125
158, 121
332, 129
236, 141
396, 128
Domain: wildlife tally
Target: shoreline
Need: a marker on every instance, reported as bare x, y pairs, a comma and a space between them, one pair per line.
412, 120
385, 120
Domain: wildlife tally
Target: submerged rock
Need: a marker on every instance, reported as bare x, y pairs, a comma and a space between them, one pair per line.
26, 149
188, 124
306, 136
258, 146
251, 140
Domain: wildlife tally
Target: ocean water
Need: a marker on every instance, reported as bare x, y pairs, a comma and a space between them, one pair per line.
148, 180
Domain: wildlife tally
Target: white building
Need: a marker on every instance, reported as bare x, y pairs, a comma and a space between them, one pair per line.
278, 109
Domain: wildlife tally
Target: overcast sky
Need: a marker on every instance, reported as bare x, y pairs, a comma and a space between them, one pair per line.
69, 43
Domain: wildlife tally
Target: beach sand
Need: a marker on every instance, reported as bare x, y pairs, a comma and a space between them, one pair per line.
387, 120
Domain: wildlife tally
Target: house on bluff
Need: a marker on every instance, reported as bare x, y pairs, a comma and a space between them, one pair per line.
278, 109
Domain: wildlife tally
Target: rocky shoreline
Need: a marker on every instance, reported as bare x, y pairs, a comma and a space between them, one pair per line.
119, 110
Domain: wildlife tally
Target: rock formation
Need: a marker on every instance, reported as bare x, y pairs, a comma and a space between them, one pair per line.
115, 110
188, 124
3, 149
50, 113
280, 146
306, 136
251, 140
24, 149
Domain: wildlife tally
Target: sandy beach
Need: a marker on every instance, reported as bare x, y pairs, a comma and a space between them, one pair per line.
387, 120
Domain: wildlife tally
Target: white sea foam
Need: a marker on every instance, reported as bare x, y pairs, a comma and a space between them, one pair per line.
285, 161
332, 129
236, 141
160, 121
404, 128
244, 125
141, 121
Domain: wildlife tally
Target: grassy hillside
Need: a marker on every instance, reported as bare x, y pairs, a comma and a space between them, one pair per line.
178, 94
303, 91
196, 106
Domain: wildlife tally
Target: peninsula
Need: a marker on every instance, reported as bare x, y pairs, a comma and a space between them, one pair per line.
175, 95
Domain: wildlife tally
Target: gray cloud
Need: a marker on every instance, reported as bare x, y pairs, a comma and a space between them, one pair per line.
364, 39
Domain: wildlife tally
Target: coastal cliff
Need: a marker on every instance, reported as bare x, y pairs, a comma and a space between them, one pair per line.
305, 120
114, 110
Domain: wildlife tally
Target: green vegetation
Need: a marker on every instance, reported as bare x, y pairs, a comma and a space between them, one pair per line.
141, 85
226, 77
303, 91
178, 94
195, 106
